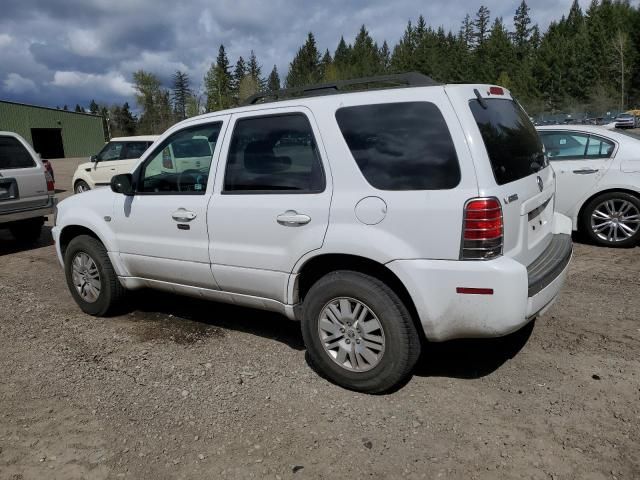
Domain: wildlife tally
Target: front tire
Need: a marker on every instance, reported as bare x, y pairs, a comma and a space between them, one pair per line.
81, 186
613, 220
358, 332
91, 279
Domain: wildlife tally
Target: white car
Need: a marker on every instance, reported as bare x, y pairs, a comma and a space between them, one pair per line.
598, 181
376, 218
119, 155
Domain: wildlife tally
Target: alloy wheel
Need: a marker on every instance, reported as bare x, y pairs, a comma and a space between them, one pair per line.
615, 220
86, 277
351, 334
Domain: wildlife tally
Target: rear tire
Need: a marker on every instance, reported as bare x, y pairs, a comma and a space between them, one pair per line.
93, 282
612, 220
368, 351
81, 186
28, 231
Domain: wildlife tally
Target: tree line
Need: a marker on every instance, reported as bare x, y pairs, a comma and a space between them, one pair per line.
585, 61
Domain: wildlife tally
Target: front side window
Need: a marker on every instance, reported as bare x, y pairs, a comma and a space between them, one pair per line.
274, 154
135, 149
14, 155
181, 163
512, 143
401, 146
111, 151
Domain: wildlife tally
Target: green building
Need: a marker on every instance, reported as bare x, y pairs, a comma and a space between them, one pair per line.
54, 133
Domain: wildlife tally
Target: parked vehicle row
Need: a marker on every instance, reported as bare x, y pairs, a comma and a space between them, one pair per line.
375, 218
26, 188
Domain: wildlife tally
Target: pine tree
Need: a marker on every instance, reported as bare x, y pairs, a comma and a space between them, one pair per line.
305, 66
254, 70
500, 54
522, 30
273, 83
365, 56
65, 108
466, 32
239, 73
217, 83
385, 57
327, 69
403, 57
342, 59
481, 25
93, 107
78, 108
180, 94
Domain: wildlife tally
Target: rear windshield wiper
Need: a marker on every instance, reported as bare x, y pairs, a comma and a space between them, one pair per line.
481, 101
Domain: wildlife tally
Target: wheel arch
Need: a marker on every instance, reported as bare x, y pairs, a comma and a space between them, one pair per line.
316, 267
70, 232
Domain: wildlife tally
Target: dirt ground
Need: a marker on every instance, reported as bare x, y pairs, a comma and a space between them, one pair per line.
177, 388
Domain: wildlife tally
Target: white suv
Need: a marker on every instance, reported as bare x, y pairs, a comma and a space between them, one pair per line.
378, 219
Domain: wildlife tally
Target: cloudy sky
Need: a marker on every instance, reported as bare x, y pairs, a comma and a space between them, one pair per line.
56, 52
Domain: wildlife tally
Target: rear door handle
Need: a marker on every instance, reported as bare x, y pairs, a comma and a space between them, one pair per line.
586, 171
291, 218
182, 215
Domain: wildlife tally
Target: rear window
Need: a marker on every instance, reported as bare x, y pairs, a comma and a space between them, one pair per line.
513, 146
401, 146
14, 155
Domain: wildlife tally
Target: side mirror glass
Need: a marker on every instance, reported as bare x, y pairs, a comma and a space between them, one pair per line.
122, 183
93, 158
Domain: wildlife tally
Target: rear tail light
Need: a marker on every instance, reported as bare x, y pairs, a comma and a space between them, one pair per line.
51, 186
482, 229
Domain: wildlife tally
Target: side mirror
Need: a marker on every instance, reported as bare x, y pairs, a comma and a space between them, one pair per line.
93, 158
122, 183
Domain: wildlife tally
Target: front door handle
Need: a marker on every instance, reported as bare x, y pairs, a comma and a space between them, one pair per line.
182, 215
291, 218
586, 171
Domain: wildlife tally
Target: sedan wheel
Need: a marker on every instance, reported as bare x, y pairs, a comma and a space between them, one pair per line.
615, 220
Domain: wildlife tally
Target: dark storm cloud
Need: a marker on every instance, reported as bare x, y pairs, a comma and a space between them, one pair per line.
70, 51
56, 57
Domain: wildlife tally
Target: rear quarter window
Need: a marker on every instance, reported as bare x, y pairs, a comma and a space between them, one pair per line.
401, 146
14, 155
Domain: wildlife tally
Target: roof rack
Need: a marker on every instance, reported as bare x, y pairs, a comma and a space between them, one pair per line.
411, 79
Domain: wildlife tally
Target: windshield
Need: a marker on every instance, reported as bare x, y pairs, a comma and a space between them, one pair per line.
514, 148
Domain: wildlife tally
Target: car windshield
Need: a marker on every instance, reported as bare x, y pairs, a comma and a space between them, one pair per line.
514, 148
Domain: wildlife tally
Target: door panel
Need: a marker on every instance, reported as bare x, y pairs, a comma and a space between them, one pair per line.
579, 159
272, 201
162, 229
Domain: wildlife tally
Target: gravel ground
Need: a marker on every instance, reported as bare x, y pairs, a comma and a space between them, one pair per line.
177, 388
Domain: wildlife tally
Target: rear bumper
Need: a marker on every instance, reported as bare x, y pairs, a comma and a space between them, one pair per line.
519, 293
27, 213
